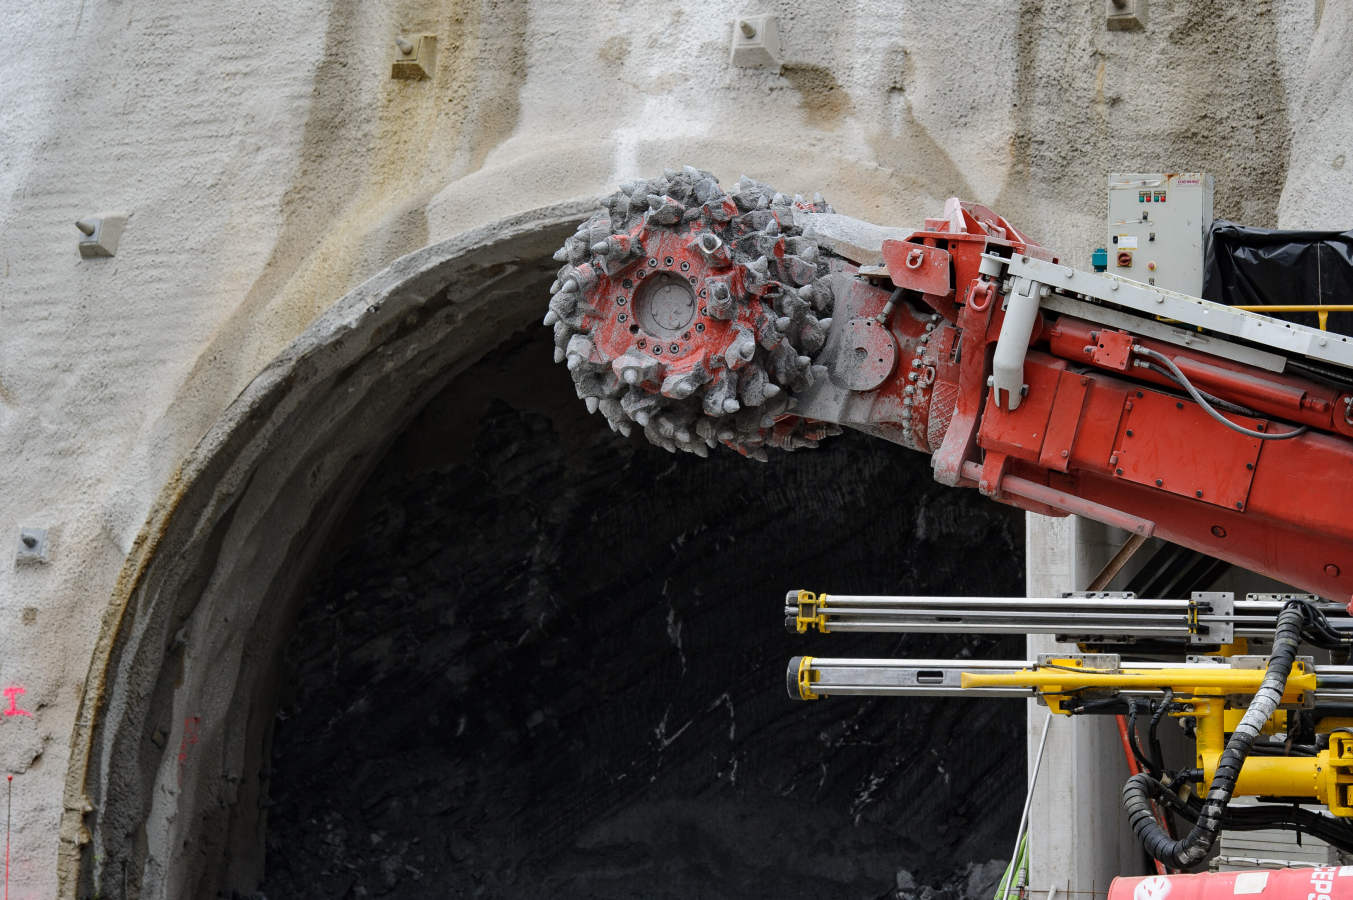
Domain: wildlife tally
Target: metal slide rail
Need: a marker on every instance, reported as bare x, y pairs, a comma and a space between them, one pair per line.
1208, 617
811, 677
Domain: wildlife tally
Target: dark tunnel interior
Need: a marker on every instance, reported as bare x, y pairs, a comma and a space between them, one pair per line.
539, 659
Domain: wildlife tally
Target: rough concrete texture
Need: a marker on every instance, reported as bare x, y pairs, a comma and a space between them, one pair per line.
270, 166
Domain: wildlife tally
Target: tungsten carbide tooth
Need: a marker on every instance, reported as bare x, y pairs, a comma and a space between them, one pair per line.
706, 190
767, 335
635, 368
664, 210
682, 385
720, 398
636, 400
722, 304
741, 349
753, 385
812, 337
581, 345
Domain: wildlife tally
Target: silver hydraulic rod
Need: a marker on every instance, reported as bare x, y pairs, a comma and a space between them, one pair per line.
1207, 618
810, 677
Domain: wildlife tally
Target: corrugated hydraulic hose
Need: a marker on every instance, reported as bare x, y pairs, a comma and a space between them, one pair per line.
1141, 789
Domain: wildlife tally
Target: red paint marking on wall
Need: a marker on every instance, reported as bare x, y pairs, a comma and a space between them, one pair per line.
13, 692
190, 727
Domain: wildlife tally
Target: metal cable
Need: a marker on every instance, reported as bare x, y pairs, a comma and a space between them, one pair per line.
1153, 740
1142, 759
1211, 398
1207, 407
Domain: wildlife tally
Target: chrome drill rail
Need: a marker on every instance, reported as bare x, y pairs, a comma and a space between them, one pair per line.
1206, 618
833, 677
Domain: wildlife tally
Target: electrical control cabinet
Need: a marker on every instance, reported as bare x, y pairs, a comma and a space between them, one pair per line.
1157, 224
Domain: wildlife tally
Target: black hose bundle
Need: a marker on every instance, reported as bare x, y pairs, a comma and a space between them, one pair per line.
1141, 789
1335, 832
1317, 630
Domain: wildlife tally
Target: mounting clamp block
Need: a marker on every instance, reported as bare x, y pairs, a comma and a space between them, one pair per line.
756, 42
32, 548
99, 234
415, 58
1125, 15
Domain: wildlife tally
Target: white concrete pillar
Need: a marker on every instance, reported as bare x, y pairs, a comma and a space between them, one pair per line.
1078, 837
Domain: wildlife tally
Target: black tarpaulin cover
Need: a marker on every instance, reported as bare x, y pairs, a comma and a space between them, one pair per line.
1246, 266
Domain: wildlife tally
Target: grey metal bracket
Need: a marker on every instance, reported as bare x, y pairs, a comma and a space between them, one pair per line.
1099, 662
1212, 615
1155, 302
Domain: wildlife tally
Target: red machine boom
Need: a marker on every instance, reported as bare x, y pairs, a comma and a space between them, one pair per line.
745, 318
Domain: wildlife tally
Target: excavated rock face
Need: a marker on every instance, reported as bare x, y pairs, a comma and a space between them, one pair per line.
696, 313
544, 660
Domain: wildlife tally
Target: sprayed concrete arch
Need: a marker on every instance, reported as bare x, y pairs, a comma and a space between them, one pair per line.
163, 786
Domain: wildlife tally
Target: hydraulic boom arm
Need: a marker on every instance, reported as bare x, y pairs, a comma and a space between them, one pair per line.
759, 321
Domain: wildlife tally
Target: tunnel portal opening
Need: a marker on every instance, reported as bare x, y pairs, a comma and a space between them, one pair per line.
539, 659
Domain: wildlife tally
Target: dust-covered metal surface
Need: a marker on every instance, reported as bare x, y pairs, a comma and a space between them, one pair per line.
696, 314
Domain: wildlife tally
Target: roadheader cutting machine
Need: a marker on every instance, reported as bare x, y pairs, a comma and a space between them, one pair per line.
761, 322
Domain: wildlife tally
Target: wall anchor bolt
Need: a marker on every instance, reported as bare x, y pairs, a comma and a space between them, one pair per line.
1125, 15
101, 234
756, 43
417, 60
32, 548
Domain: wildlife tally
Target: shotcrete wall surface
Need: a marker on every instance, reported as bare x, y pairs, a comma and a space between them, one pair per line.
314, 249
